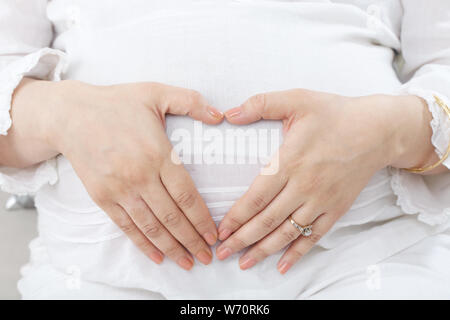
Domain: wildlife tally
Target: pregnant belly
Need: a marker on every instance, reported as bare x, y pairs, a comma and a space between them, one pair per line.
228, 52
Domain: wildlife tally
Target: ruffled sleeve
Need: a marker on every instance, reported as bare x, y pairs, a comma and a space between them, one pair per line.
425, 38
25, 39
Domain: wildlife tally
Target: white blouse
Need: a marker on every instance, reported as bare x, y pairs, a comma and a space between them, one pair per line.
229, 50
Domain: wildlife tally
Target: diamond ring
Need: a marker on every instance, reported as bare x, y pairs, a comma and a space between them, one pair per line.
305, 231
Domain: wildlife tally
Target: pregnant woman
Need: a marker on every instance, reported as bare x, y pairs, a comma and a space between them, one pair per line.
100, 100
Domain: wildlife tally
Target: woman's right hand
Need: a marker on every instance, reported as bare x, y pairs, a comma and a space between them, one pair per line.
115, 139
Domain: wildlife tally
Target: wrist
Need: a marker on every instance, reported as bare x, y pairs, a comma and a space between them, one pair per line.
64, 100
49, 98
412, 142
33, 108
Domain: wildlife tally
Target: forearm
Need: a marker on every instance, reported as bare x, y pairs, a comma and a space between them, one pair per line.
32, 113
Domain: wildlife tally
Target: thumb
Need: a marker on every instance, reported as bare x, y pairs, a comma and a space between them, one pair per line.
277, 105
180, 101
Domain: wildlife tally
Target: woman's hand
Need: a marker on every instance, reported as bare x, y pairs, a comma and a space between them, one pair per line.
115, 139
332, 147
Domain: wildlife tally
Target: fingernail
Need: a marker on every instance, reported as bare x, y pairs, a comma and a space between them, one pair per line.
284, 266
214, 112
204, 257
156, 257
233, 112
247, 263
210, 238
225, 233
185, 263
223, 253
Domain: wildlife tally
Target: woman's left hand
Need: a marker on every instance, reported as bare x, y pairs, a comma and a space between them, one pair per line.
332, 146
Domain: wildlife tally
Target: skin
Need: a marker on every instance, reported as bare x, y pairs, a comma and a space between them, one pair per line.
114, 138
332, 147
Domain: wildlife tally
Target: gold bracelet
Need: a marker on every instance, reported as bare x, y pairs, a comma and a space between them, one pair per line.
446, 154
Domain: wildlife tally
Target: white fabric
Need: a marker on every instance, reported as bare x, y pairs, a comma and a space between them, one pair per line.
25, 34
41, 281
425, 265
230, 50
418, 272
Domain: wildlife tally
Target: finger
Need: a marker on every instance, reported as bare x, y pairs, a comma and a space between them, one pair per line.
277, 240
182, 189
149, 226
181, 101
120, 217
168, 213
262, 224
302, 245
277, 105
262, 191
